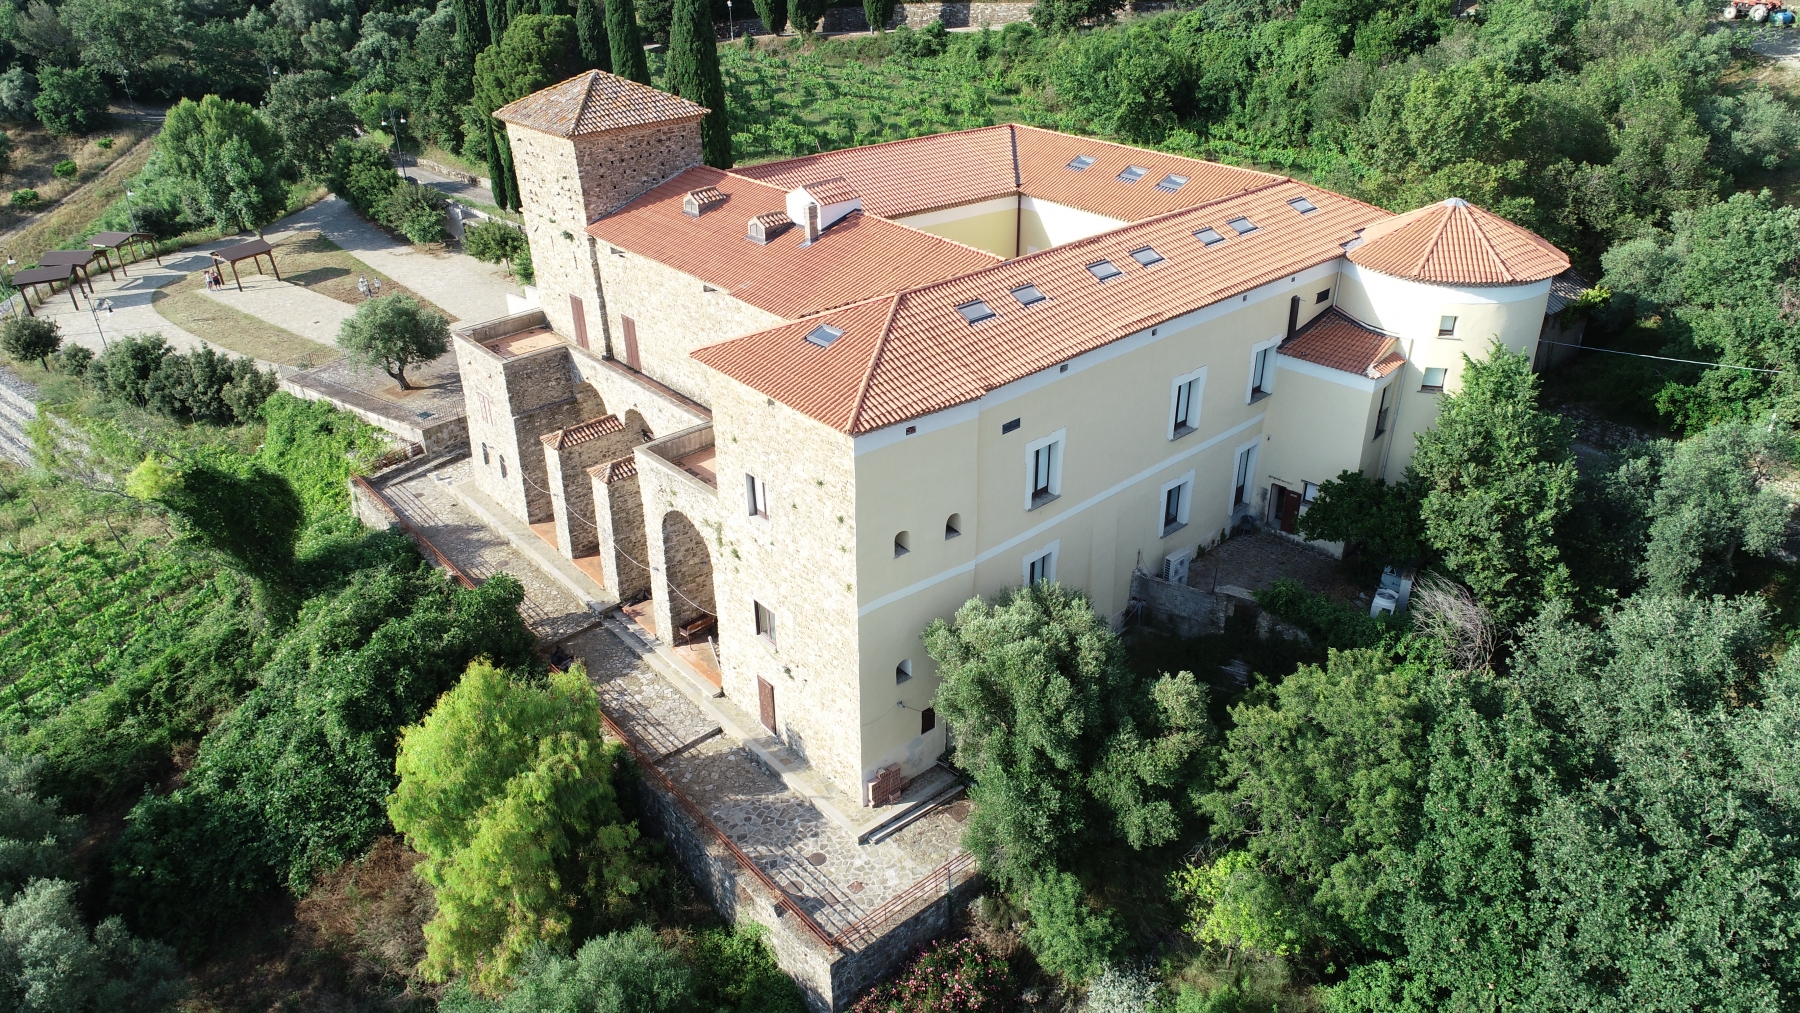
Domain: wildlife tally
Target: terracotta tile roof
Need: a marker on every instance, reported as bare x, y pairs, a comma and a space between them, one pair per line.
835, 190
857, 257
905, 355
594, 101
615, 471
1339, 341
1565, 288
592, 429
901, 178
1455, 243
698, 202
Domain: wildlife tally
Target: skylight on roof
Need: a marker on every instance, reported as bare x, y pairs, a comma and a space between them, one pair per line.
1103, 270
1302, 205
1209, 236
1080, 162
1028, 295
1172, 182
1147, 256
975, 312
1243, 226
824, 334
1132, 174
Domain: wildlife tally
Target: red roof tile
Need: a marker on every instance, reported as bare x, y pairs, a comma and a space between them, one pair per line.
907, 355
595, 101
592, 429
1455, 243
1339, 341
856, 257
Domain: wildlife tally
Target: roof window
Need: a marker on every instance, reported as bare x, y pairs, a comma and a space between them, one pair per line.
1302, 205
1080, 162
1146, 256
824, 334
975, 312
1132, 174
1243, 226
1103, 270
1209, 236
1172, 182
1028, 295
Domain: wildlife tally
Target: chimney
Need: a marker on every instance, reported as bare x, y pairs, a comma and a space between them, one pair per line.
818, 206
812, 222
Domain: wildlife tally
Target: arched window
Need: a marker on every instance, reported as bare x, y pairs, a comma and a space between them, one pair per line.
902, 544
953, 526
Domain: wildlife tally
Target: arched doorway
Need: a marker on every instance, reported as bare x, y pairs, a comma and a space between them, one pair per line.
687, 566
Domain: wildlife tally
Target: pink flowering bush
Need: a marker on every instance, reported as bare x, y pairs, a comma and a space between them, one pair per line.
958, 977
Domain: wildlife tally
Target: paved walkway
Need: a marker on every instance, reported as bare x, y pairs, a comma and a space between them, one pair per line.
301, 310
466, 288
453, 187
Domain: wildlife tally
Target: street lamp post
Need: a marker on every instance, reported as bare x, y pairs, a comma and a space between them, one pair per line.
94, 307
130, 213
6, 281
395, 123
731, 19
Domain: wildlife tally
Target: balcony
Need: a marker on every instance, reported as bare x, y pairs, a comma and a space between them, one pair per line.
689, 452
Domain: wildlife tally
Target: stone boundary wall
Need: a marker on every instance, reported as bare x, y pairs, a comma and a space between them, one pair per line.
18, 409
919, 15
1180, 609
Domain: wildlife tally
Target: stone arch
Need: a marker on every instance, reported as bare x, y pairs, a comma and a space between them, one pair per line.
634, 423
688, 570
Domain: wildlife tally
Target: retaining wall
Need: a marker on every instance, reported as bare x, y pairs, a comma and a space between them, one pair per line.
18, 409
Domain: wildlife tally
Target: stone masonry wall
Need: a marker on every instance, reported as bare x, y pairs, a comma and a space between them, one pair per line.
799, 563
511, 403
664, 490
1183, 610
674, 314
566, 183
626, 392
567, 459
619, 518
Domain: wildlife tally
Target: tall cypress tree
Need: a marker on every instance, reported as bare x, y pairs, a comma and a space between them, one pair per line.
471, 27
694, 75
590, 26
627, 45
773, 14
497, 21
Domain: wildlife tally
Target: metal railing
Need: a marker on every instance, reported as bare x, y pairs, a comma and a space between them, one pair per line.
411, 532
958, 870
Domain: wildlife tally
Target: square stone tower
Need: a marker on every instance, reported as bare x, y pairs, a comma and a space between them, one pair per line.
581, 149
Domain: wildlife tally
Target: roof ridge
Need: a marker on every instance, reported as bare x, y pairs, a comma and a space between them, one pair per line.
1436, 238
1487, 242
1012, 135
868, 380
879, 144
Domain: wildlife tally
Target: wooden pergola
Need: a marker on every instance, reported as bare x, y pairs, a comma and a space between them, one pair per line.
50, 275
110, 243
77, 259
253, 251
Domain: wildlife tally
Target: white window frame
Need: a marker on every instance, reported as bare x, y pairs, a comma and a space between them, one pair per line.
1427, 386
1057, 443
757, 611
1237, 466
1183, 509
1195, 400
1251, 396
1052, 550
1449, 335
756, 497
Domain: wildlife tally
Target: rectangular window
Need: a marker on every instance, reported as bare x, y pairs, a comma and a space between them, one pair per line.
1043, 470
756, 496
927, 720
1080, 162
1434, 379
765, 622
1209, 236
1381, 414
1323, 296
1171, 509
1028, 295
1146, 256
1184, 403
1103, 269
1176, 498
1446, 327
1262, 371
1132, 174
1172, 183
487, 408
628, 327
1242, 226
1041, 568
1240, 486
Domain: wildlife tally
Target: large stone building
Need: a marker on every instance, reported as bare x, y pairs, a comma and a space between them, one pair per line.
808, 406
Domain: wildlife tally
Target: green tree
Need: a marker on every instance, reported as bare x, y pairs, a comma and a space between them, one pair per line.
1709, 503
1233, 904
25, 338
305, 111
694, 75
1498, 482
121, 36
1067, 933
1375, 519
70, 102
624, 972
590, 29
509, 790
533, 54
50, 963
393, 332
233, 157
627, 42
18, 90
232, 504
1066, 746
35, 840
772, 13
877, 13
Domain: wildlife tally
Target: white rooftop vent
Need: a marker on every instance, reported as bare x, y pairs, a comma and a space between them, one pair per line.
766, 227
698, 201
824, 334
1080, 162
1132, 174
832, 199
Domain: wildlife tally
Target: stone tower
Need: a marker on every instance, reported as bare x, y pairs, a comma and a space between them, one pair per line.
581, 149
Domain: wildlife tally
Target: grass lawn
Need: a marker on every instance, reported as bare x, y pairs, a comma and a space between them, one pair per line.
310, 260
70, 208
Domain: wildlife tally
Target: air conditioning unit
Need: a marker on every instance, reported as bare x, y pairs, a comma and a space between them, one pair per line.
1175, 567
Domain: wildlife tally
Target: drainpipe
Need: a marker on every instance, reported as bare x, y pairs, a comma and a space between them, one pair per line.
1394, 428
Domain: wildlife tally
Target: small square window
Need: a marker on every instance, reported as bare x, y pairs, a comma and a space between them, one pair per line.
1147, 256
1172, 183
1103, 270
1309, 491
1434, 379
1209, 237
1080, 162
1007, 427
824, 334
1446, 327
1324, 296
975, 312
1242, 226
1028, 295
1132, 174
1302, 205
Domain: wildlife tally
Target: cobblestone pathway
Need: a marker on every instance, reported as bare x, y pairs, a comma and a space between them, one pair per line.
836, 880
429, 506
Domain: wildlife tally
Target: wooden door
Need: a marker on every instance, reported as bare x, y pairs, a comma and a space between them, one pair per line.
765, 696
579, 317
1287, 510
629, 326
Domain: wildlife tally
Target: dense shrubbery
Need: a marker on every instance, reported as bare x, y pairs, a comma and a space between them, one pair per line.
950, 977
202, 386
1328, 623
